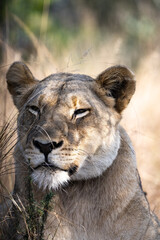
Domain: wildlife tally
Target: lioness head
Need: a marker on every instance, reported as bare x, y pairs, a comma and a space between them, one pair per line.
68, 123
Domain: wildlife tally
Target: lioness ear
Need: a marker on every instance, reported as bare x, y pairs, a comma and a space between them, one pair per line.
119, 83
19, 80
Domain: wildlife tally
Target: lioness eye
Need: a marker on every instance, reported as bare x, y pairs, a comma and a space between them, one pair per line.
79, 113
34, 110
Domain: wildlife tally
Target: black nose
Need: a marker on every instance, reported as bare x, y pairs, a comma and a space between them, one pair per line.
46, 148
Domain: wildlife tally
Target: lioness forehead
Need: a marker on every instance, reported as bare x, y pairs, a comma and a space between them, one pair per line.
114, 87
61, 81
69, 77
63, 86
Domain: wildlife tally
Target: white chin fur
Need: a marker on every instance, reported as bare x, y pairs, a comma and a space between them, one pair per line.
51, 180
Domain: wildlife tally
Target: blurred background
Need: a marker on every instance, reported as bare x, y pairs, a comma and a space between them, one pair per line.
87, 36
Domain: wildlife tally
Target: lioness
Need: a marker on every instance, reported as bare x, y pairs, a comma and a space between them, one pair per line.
70, 143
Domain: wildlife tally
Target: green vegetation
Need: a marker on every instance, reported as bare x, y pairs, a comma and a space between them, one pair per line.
63, 23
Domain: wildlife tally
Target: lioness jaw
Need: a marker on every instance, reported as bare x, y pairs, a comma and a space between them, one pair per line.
71, 145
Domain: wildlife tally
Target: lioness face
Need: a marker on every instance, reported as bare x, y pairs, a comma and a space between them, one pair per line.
68, 123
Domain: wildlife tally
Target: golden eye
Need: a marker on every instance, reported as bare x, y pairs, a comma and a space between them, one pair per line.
79, 113
34, 110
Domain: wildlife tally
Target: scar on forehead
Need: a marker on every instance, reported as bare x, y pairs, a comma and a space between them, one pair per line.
41, 99
74, 100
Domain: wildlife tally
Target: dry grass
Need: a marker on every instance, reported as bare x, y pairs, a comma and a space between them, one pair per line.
142, 121
8, 139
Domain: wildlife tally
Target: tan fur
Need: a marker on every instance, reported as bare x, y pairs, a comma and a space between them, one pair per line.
92, 167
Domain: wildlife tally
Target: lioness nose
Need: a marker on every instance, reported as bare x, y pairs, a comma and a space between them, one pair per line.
46, 148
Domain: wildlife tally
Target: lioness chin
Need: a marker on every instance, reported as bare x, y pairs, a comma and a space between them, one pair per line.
70, 144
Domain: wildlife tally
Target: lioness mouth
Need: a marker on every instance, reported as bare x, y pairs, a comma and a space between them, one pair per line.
70, 171
50, 166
